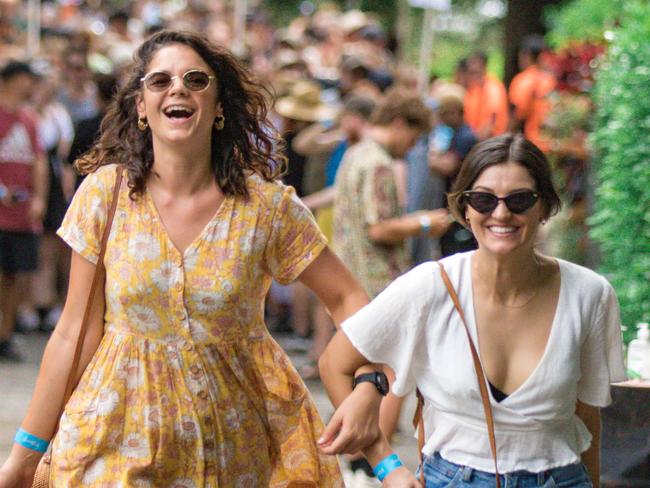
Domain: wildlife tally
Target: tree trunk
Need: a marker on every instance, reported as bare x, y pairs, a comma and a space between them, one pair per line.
524, 17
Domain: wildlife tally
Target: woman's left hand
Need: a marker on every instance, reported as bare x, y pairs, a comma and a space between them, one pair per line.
355, 424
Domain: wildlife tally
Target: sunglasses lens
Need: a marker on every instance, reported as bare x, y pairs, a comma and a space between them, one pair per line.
158, 81
196, 80
521, 201
482, 202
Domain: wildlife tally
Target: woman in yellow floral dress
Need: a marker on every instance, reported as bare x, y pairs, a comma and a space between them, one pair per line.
181, 384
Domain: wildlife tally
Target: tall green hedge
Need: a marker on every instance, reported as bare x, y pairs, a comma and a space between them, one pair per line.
621, 223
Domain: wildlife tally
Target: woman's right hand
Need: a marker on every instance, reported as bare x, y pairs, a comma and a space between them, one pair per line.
14, 476
355, 424
401, 478
19, 468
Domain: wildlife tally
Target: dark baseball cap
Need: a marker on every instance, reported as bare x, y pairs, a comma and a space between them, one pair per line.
15, 68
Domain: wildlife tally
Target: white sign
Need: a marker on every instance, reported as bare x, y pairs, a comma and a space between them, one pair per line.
444, 5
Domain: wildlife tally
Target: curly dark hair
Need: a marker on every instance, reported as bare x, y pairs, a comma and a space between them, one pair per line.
247, 143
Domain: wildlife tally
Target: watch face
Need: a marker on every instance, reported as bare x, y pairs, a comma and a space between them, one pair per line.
382, 383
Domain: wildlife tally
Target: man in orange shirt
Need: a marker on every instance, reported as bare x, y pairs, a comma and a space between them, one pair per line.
529, 92
486, 100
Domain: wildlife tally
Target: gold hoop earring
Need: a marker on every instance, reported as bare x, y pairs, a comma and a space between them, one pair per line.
219, 122
142, 124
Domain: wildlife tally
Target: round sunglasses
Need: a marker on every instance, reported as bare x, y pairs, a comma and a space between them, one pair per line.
194, 79
484, 202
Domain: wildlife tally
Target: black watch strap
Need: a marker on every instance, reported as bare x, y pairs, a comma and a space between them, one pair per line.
377, 378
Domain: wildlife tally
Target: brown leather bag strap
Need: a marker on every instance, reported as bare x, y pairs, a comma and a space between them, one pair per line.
97, 279
418, 423
487, 407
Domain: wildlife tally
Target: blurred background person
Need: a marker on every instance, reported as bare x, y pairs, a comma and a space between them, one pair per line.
87, 130
370, 227
452, 140
55, 131
300, 108
78, 91
528, 93
23, 195
486, 101
329, 141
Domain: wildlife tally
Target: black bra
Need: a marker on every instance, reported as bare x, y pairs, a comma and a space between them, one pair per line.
498, 395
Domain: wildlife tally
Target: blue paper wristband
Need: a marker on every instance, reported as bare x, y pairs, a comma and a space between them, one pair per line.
386, 466
30, 441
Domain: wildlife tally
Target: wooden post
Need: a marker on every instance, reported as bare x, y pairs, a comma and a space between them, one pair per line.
426, 46
239, 22
33, 28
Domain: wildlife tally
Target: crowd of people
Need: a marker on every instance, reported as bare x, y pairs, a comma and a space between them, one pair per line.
325, 105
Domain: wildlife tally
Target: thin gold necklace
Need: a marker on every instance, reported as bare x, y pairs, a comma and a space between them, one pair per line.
538, 268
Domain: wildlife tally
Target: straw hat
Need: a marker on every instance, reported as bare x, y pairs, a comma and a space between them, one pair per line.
353, 20
288, 58
304, 103
448, 94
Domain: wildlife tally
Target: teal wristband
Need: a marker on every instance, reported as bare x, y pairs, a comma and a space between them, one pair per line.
30, 441
387, 466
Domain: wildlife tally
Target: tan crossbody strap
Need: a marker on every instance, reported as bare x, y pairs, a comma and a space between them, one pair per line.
97, 279
487, 408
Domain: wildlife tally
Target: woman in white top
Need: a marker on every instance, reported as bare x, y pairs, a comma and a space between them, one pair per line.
547, 332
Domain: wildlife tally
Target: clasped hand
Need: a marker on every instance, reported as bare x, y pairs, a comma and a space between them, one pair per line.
355, 424
354, 427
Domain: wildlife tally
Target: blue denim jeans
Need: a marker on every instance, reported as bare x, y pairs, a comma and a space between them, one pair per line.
439, 473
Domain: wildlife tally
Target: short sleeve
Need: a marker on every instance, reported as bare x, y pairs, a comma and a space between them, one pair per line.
294, 241
389, 330
85, 219
379, 194
601, 357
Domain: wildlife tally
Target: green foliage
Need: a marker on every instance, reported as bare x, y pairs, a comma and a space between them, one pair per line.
582, 21
386, 10
282, 12
621, 223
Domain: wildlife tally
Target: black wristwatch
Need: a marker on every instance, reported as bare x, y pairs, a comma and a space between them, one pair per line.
377, 378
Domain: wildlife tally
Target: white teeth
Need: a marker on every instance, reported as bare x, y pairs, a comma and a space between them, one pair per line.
502, 229
178, 108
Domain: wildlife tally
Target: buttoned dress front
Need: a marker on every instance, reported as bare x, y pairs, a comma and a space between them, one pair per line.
187, 387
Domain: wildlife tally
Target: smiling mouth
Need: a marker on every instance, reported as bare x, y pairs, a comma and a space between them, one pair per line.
178, 113
503, 230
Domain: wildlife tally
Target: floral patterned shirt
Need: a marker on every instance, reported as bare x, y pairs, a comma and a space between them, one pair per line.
366, 194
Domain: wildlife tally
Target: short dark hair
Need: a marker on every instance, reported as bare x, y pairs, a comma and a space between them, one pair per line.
479, 56
15, 68
534, 45
361, 105
107, 86
120, 16
402, 103
499, 150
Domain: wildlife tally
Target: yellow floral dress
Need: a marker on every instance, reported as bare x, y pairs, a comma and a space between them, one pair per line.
187, 387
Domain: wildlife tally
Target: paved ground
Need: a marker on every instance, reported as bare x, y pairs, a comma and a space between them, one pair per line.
17, 382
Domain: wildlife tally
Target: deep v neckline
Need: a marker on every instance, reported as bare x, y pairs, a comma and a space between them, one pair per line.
198, 238
549, 340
